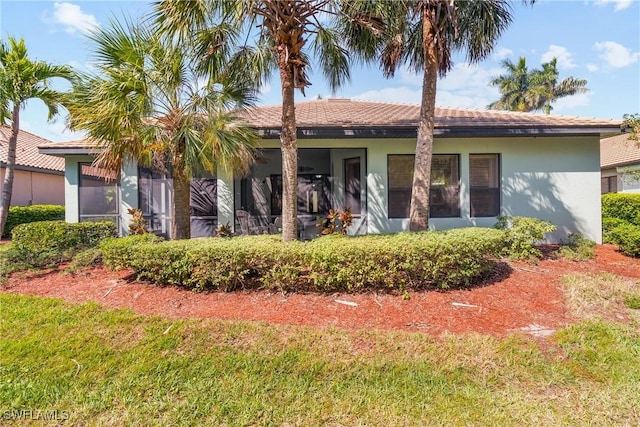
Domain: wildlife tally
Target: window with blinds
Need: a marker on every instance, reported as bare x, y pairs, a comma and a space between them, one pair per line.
484, 183
445, 185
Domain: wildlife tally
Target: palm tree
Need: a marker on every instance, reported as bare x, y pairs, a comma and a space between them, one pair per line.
535, 90
514, 87
287, 32
545, 88
22, 79
149, 102
423, 34
631, 124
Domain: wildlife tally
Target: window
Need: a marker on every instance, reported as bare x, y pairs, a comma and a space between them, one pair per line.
98, 194
445, 185
609, 184
484, 183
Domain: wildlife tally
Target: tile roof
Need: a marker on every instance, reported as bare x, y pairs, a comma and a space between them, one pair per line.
619, 150
347, 113
27, 154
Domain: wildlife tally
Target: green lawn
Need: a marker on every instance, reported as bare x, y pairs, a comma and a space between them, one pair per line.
112, 367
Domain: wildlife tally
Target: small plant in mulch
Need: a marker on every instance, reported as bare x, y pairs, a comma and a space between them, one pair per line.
137, 224
336, 222
224, 230
522, 234
578, 248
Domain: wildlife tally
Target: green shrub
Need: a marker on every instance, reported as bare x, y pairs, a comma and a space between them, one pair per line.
624, 206
47, 243
87, 258
25, 214
578, 248
522, 234
609, 224
627, 238
10, 262
331, 264
117, 251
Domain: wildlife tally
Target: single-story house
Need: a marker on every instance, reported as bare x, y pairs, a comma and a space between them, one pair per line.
38, 178
359, 155
619, 156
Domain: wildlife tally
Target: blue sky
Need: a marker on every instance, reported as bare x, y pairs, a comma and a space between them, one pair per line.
596, 40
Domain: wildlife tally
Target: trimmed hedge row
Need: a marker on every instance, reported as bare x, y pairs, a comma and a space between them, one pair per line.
624, 206
332, 263
621, 221
627, 237
25, 214
49, 242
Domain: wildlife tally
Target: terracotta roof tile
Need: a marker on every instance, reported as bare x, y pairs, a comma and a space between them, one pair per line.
347, 113
619, 150
356, 113
27, 154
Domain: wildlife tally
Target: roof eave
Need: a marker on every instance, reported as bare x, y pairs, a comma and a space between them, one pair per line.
34, 169
62, 152
450, 132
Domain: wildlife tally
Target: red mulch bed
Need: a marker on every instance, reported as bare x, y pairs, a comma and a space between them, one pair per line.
517, 297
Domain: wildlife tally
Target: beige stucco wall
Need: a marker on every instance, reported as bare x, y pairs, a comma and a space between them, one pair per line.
36, 188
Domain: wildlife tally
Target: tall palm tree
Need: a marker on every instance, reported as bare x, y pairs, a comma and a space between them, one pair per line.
22, 79
423, 34
149, 102
278, 34
514, 87
535, 90
545, 88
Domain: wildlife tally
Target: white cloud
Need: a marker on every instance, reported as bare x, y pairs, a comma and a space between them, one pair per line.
465, 87
265, 88
86, 66
401, 94
592, 67
469, 78
570, 102
561, 53
616, 55
72, 18
502, 53
450, 99
619, 4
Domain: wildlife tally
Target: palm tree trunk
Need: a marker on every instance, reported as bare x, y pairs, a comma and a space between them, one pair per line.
419, 214
289, 147
181, 211
7, 185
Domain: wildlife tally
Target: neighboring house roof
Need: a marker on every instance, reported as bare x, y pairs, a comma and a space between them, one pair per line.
27, 155
346, 118
619, 151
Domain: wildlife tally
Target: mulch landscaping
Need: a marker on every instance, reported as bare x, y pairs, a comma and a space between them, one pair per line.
517, 297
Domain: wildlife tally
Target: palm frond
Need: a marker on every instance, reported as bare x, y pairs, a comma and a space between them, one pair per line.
332, 56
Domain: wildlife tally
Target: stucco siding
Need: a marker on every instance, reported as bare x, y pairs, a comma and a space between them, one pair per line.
552, 178
36, 188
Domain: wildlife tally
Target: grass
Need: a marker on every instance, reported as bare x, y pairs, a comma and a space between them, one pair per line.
113, 368
601, 295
